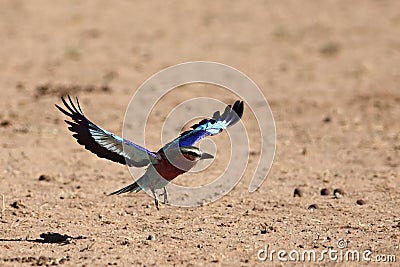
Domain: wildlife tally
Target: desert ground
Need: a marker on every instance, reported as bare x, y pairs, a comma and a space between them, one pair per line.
330, 71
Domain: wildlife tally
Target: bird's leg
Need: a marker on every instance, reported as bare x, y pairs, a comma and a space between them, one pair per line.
155, 198
165, 195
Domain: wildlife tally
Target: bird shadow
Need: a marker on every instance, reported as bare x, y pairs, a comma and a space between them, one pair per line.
46, 238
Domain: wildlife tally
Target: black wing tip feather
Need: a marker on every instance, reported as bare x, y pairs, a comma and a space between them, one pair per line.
71, 107
76, 114
63, 110
80, 126
238, 108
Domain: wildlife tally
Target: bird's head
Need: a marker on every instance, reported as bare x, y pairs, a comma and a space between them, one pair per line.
185, 158
194, 154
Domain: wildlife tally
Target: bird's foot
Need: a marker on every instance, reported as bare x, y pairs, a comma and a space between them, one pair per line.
156, 203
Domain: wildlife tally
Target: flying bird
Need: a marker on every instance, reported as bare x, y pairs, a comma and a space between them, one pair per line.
175, 158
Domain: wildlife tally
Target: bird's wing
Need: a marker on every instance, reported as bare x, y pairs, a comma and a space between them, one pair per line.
103, 143
209, 127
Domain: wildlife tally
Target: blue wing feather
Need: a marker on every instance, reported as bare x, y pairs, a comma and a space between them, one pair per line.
209, 127
103, 143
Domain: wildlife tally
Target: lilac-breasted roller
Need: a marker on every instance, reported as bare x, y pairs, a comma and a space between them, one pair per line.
172, 160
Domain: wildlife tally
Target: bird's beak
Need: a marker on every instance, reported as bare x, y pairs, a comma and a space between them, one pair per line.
206, 156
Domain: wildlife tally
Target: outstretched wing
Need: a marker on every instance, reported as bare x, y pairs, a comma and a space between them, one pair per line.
103, 143
209, 127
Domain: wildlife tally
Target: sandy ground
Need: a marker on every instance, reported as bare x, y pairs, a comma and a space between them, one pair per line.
329, 69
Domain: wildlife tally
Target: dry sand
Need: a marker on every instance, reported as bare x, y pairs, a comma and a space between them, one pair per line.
329, 69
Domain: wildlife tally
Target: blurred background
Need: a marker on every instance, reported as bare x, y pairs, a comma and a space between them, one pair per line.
329, 70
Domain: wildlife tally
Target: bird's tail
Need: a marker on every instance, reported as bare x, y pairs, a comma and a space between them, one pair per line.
130, 188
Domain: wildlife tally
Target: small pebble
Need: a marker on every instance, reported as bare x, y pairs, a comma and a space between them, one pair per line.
151, 237
297, 192
338, 193
325, 192
327, 119
46, 178
124, 243
5, 123
263, 229
18, 204
313, 207
361, 202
